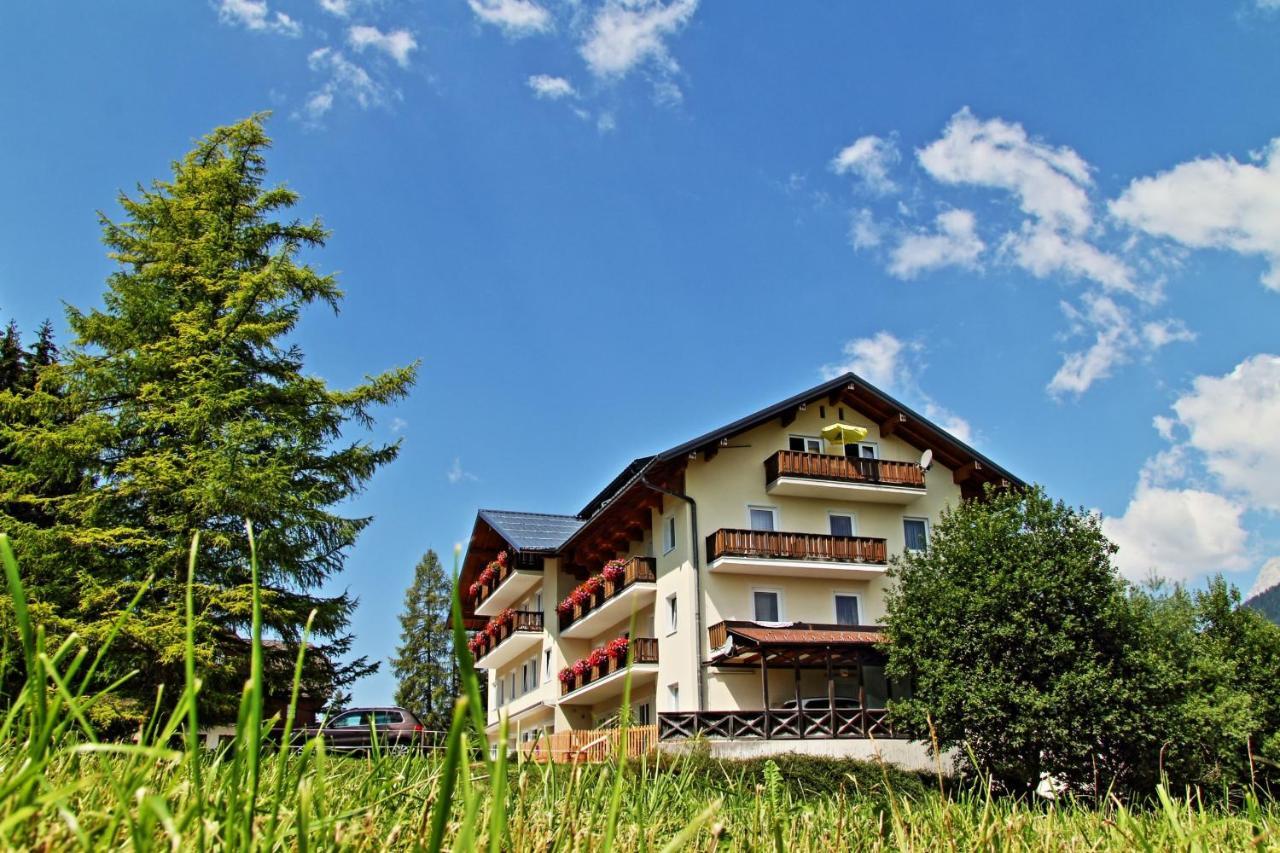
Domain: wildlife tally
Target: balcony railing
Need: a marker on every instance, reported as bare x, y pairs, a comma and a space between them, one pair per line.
844, 469
774, 545
643, 650
637, 570
521, 621
777, 724
526, 562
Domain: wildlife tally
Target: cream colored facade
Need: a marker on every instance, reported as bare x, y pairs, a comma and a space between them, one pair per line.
724, 488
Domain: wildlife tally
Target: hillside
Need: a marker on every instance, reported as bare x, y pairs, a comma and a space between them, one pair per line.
1268, 603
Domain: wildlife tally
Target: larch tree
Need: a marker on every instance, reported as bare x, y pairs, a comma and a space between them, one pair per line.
424, 663
187, 408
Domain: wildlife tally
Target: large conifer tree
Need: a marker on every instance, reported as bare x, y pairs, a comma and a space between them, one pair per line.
187, 408
424, 662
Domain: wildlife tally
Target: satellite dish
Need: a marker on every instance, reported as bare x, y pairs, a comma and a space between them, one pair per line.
926, 459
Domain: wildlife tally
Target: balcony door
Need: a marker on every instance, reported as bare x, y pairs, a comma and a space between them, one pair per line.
866, 458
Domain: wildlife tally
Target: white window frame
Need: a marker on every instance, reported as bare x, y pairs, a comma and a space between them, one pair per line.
635, 713
546, 665
835, 609
673, 613
502, 687
782, 600
777, 516
668, 534
673, 696
852, 516
920, 519
806, 439
875, 449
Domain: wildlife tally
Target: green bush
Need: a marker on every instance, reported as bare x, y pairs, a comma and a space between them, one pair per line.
815, 776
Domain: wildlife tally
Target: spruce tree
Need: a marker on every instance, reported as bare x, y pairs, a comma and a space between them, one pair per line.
13, 358
187, 408
424, 662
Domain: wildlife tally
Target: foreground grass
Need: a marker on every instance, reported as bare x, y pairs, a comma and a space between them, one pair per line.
62, 787
91, 800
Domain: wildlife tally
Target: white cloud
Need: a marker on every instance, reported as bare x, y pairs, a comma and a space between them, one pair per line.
1049, 182
1234, 421
341, 8
551, 88
626, 33
399, 424
606, 123
864, 231
456, 474
869, 158
346, 79
255, 15
397, 44
1043, 251
1269, 575
955, 243
1179, 534
895, 366
516, 18
1164, 332
1114, 340
1212, 203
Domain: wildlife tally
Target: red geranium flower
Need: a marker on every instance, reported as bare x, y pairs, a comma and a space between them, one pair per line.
566, 675
614, 570
617, 649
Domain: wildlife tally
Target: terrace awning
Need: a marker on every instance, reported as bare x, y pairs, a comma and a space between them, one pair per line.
801, 643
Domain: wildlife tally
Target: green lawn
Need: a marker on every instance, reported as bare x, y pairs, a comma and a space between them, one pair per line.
63, 787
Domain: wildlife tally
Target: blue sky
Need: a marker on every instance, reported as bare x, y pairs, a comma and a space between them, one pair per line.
608, 225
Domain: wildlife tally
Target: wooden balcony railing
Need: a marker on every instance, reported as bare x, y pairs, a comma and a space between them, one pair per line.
777, 724
844, 469
527, 562
520, 621
637, 570
769, 544
643, 650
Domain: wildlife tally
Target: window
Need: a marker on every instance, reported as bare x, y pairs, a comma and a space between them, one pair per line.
351, 720
762, 517
768, 605
673, 614
644, 714
805, 444
842, 524
537, 603
502, 685
862, 450
916, 533
524, 677
668, 534
546, 665
387, 718
846, 609
533, 672
673, 697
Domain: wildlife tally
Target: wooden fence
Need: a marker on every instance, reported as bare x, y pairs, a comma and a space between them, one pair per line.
589, 745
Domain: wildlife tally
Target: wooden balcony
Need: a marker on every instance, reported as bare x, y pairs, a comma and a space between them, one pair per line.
805, 555
615, 601
777, 724
608, 680
821, 475
520, 635
514, 581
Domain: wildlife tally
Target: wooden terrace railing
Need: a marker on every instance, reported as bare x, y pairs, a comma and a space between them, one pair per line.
590, 745
637, 570
845, 469
775, 723
770, 544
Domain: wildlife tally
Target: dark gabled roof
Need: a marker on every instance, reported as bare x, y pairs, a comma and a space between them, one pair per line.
710, 439
531, 531
614, 485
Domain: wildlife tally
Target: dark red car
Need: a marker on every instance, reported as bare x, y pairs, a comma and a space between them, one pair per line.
354, 730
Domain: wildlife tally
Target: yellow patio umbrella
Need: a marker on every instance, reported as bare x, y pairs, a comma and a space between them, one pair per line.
843, 434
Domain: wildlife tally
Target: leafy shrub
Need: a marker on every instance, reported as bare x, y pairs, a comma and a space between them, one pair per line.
816, 776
